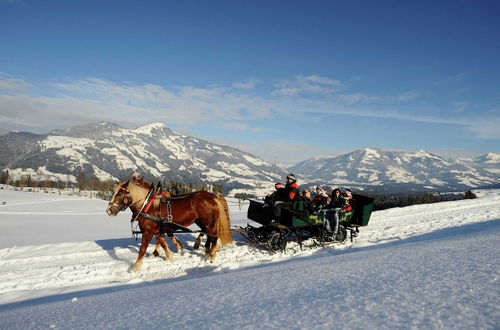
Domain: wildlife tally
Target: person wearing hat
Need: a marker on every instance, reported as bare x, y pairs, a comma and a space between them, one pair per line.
291, 191
278, 195
349, 203
291, 186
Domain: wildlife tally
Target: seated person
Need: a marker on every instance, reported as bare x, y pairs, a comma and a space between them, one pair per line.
277, 195
308, 204
321, 199
332, 213
290, 192
347, 197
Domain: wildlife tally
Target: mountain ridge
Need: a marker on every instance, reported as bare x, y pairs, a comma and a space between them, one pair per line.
111, 152
371, 167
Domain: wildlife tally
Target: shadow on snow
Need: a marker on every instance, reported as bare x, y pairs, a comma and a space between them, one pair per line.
490, 226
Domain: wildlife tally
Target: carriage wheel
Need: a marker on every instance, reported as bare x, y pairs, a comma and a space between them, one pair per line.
276, 242
341, 234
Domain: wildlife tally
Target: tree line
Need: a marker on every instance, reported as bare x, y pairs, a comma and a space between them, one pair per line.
384, 201
104, 188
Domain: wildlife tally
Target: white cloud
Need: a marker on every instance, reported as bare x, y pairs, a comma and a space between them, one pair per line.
485, 128
96, 99
307, 84
409, 95
459, 106
357, 98
130, 104
246, 85
13, 84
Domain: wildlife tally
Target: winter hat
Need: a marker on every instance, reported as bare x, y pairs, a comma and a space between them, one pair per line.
279, 185
291, 177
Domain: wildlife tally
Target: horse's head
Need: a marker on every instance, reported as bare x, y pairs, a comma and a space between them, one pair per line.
121, 199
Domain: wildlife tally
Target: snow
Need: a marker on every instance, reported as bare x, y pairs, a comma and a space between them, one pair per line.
40, 174
66, 265
400, 175
492, 158
146, 129
255, 161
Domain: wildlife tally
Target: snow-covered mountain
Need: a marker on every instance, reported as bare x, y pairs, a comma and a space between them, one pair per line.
155, 151
372, 168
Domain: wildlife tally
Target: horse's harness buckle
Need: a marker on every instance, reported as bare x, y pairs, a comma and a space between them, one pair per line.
170, 217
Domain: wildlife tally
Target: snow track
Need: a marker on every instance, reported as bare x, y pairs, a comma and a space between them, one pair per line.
28, 271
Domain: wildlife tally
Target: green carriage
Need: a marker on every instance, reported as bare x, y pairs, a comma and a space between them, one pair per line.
296, 224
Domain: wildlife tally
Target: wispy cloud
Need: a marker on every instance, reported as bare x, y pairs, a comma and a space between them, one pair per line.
307, 84
98, 99
409, 95
485, 129
237, 106
459, 106
247, 84
13, 84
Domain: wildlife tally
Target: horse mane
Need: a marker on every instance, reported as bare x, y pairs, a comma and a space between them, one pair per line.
137, 191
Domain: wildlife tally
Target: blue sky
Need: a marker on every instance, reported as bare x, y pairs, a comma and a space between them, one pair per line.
285, 80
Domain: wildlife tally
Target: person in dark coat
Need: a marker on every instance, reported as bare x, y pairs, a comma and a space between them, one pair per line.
308, 204
321, 199
291, 192
332, 213
279, 194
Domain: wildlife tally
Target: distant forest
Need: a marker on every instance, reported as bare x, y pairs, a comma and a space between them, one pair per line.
384, 201
105, 188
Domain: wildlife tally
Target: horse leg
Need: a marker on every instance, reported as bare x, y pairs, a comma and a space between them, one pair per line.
176, 242
197, 243
211, 247
146, 239
164, 245
156, 252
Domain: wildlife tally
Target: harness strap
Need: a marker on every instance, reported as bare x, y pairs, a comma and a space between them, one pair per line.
166, 222
170, 217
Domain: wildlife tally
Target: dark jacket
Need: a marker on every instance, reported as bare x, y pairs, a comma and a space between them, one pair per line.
279, 195
308, 205
337, 201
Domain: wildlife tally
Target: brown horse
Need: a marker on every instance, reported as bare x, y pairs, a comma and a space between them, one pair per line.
140, 181
209, 211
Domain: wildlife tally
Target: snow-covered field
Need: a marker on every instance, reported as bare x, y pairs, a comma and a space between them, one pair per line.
66, 265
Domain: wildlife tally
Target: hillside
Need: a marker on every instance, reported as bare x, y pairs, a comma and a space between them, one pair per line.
372, 169
109, 151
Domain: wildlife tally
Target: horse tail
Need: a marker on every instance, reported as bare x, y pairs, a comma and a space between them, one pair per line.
223, 223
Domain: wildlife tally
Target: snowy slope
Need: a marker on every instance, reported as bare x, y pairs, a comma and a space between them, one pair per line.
371, 168
111, 152
157, 152
65, 264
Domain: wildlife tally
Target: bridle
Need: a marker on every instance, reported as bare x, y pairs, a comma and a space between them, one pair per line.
126, 200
